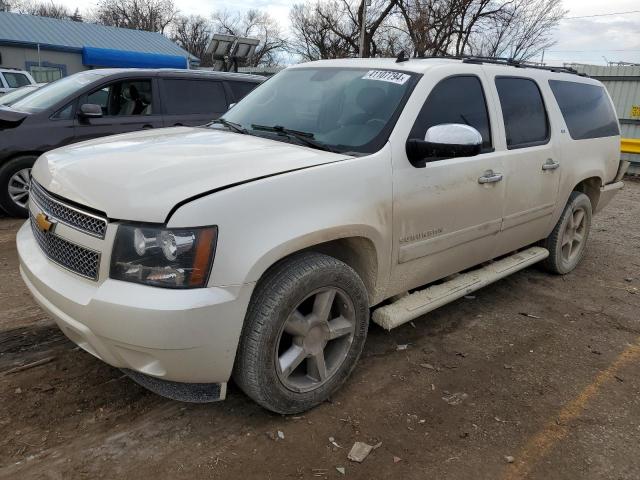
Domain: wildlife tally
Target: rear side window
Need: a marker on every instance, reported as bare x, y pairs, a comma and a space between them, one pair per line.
586, 109
525, 118
185, 97
16, 80
241, 89
457, 99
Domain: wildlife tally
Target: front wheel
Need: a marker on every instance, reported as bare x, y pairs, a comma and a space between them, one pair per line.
14, 186
568, 240
303, 333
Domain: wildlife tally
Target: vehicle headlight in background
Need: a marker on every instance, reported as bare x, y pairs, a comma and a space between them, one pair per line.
163, 257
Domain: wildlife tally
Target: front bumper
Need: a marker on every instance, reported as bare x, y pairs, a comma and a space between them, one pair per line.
186, 336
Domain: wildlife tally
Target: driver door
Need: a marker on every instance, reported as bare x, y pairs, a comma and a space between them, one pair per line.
447, 211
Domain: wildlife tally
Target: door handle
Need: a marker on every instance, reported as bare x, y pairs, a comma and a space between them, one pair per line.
147, 126
490, 177
550, 164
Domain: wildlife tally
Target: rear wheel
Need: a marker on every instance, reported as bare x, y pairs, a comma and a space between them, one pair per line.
14, 185
568, 240
303, 334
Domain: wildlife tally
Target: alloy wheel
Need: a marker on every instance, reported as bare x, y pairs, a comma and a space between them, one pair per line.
574, 235
315, 340
19, 187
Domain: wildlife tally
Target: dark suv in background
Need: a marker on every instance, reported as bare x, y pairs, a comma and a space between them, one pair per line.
97, 103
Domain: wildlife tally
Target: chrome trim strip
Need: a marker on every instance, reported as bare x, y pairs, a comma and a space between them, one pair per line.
36, 186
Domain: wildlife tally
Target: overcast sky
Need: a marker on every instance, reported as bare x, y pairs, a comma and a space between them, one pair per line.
587, 40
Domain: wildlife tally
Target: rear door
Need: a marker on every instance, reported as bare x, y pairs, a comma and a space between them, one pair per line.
531, 162
192, 101
127, 105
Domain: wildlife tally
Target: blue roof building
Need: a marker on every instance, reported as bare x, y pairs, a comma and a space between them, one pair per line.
49, 48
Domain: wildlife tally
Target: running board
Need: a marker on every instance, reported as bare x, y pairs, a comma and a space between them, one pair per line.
424, 301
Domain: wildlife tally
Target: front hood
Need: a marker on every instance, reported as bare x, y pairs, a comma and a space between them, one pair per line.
143, 175
10, 118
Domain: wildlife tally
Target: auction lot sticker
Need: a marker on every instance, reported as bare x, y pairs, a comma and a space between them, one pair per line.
387, 76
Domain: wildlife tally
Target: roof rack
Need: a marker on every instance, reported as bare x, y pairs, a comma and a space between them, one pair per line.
507, 62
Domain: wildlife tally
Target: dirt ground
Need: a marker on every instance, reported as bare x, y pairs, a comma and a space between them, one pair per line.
540, 368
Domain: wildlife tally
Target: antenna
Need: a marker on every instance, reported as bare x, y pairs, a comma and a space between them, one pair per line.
402, 57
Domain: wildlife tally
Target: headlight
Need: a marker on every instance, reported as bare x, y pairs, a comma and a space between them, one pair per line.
163, 257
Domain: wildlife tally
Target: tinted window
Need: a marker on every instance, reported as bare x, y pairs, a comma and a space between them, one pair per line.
240, 89
455, 100
126, 98
525, 118
586, 109
184, 97
16, 80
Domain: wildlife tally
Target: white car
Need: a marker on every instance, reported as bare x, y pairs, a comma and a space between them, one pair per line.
256, 246
11, 78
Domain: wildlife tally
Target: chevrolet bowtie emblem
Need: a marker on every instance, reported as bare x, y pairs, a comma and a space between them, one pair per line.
44, 224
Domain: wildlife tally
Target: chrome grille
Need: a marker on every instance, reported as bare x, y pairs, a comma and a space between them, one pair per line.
83, 221
73, 257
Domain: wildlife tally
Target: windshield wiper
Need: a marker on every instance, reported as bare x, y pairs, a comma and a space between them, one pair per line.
236, 127
304, 137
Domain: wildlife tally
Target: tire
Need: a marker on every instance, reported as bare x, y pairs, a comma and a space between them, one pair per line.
12, 175
285, 322
568, 240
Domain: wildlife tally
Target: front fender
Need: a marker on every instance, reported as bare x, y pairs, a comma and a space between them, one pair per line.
263, 221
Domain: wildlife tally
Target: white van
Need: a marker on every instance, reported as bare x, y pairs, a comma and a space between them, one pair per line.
255, 246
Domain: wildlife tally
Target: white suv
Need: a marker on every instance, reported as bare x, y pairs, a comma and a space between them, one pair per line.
10, 79
254, 247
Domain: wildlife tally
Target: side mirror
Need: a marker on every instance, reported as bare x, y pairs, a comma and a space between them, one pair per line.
90, 110
449, 140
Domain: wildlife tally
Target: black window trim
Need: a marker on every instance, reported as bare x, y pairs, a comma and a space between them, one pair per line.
490, 149
544, 105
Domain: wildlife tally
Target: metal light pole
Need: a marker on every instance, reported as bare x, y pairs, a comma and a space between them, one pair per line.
363, 26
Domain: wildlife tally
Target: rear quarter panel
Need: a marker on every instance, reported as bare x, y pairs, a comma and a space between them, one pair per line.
580, 159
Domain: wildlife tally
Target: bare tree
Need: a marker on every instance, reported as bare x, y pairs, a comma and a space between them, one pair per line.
430, 24
522, 31
193, 33
253, 24
41, 9
77, 16
150, 15
344, 18
312, 36
331, 28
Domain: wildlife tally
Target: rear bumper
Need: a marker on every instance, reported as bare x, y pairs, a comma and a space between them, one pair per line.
607, 193
178, 335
